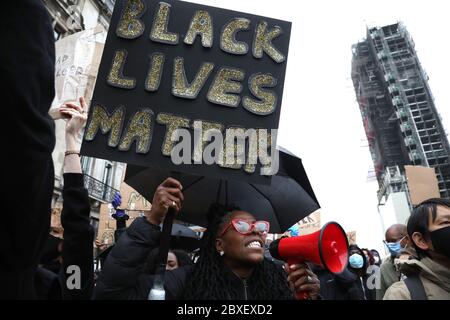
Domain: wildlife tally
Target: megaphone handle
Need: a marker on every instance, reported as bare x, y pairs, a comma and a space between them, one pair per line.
299, 295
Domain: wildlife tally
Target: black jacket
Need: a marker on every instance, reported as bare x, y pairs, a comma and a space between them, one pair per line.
360, 289
77, 247
337, 286
27, 77
122, 275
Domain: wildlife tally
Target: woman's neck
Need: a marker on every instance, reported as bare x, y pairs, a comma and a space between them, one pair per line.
242, 272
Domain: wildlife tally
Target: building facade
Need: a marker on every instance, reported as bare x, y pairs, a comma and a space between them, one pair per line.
402, 124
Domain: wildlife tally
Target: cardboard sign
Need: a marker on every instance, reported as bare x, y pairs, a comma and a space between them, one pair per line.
177, 65
310, 224
422, 183
132, 200
77, 59
351, 236
107, 224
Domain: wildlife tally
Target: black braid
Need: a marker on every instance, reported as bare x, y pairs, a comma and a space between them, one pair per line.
207, 280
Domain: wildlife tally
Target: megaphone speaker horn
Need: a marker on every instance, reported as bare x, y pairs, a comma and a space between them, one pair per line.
333, 247
327, 248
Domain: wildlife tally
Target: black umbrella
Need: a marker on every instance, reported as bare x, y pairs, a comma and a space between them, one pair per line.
288, 199
183, 237
179, 230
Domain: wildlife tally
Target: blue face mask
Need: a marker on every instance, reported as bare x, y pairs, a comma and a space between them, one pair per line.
356, 261
394, 247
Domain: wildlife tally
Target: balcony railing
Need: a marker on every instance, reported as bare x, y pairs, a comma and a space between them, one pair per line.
98, 189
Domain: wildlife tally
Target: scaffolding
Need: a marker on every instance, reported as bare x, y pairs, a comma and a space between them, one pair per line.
399, 115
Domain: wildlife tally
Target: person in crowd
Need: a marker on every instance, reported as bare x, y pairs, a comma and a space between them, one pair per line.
358, 264
99, 247
75, 252
342, 286
120, 216
294, 230
405, 254
51, 255
100, 255
230, 266
376, 257
176, 258
396, 238
368, 255
27, 75
428, 276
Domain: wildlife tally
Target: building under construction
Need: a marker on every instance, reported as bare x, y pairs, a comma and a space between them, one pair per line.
401, 122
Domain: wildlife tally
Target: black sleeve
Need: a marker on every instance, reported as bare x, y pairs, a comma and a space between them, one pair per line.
78, 249
27, 79
123, 275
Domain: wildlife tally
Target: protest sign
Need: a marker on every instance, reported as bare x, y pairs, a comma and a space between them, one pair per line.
179, 82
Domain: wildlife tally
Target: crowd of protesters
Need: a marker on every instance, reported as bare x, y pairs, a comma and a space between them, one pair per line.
231, 264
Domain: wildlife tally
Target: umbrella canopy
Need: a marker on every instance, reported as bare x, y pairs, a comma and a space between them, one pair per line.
183, 237
288, 199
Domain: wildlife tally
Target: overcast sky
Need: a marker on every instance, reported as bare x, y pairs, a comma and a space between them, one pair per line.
320, 120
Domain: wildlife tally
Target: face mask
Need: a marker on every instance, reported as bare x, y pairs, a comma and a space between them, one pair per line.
394, 247
441, 241
356, 261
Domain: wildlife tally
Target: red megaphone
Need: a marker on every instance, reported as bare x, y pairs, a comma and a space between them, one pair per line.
327, 248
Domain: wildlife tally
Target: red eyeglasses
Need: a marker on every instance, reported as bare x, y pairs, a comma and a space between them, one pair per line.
245, 227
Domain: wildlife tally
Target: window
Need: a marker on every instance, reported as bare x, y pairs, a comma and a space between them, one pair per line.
86, 164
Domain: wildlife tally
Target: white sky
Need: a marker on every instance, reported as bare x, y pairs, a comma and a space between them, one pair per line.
320, 119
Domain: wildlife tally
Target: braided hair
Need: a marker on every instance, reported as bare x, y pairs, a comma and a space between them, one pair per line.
208, 281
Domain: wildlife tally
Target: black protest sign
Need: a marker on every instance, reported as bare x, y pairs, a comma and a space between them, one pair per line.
180, 81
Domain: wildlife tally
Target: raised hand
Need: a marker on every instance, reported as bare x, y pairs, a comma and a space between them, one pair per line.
75, 116
168, 194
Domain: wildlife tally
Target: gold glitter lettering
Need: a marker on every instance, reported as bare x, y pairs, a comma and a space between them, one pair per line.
233, 154
172, 123
115, 75
155, 72
263, 42
228, 42
224, 84
201, 24
260, 142
130, 26
159, 31
268, 99
101, 120
180, 86
252, 153
265, 142
139, 129
202, 134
